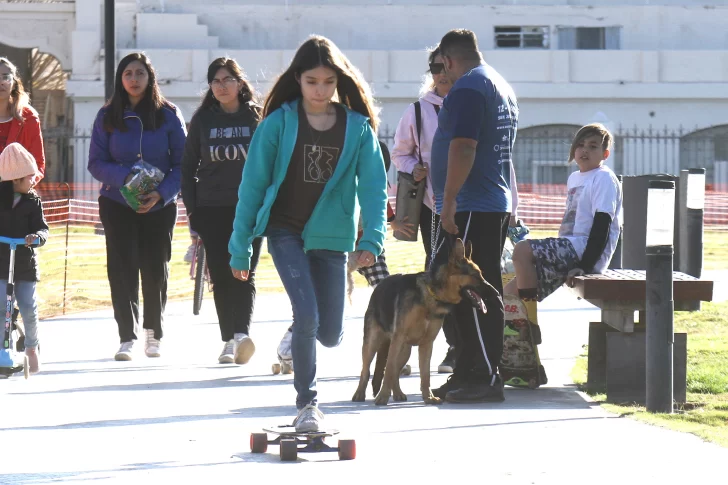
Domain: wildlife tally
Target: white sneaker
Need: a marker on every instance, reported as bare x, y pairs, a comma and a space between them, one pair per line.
227, 356
244, 348
124, 352
284, 348
309, 419
152, 346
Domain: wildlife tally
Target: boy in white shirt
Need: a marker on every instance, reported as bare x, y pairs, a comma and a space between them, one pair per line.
589, 231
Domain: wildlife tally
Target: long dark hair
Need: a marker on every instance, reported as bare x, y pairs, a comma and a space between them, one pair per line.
318, 51
149, 108
18, 97
246, 93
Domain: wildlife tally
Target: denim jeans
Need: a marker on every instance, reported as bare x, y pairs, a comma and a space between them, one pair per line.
25, 296
316, 284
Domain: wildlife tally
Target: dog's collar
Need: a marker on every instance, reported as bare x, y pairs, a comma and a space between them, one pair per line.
432, 293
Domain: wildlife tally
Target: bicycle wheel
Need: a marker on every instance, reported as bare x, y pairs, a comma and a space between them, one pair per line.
199, 279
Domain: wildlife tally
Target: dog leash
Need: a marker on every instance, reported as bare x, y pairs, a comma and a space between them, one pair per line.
434, 236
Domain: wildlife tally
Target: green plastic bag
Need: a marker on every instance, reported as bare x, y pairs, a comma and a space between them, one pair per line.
146, 179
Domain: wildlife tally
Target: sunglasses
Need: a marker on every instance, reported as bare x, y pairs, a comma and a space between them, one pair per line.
437, 67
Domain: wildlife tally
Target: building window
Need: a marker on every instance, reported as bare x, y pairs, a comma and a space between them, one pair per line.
573, 38
518, 37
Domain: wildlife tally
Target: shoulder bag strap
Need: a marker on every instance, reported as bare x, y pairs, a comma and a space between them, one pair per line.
418, 121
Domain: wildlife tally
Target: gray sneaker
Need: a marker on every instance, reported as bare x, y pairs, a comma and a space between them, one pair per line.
244, 348
309, 419
284, 348
227, 356
125, 351
152, 345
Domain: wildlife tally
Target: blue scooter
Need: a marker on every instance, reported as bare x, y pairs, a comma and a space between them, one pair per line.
9, 362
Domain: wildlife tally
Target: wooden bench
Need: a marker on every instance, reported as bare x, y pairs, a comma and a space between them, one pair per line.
616, 352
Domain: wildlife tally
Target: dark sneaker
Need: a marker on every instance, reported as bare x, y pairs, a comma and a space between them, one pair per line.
454, 381
448, 364
477, 392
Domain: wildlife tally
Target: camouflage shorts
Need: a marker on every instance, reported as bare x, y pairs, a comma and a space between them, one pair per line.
555, 257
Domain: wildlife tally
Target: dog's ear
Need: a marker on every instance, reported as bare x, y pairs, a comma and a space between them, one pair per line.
469, 250
458, 251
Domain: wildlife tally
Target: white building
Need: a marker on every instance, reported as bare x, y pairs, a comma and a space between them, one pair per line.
622, 62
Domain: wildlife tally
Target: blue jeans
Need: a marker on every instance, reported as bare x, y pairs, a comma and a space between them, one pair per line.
25, 296
316, 284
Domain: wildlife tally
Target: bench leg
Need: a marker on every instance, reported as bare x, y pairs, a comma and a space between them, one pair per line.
596, 379
626, 367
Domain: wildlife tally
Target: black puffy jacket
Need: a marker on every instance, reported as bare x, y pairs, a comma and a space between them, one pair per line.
23, 219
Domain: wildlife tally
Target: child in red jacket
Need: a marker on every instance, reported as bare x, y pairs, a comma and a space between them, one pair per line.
19, 122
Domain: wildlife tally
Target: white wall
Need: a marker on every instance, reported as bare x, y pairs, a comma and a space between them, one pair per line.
672, 69
416, 24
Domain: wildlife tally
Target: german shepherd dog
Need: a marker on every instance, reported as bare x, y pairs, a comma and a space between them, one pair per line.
407, 310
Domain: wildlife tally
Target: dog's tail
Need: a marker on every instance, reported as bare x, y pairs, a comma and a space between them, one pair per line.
382, 353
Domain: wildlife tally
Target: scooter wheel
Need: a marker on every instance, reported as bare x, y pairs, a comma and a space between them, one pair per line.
26, 367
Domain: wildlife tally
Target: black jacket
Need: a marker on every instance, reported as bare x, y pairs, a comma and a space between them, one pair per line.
23, 219
215, 152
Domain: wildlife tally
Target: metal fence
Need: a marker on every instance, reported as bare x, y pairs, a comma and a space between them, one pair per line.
539, 156
541, 153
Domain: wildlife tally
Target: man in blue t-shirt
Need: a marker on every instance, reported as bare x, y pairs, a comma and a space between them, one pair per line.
471, 162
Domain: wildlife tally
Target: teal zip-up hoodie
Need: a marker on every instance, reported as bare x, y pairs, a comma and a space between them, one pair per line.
359, 179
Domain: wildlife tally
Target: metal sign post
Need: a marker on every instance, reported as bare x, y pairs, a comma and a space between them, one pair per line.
660, 305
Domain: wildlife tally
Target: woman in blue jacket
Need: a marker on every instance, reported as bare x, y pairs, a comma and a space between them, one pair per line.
310, 161
136, 124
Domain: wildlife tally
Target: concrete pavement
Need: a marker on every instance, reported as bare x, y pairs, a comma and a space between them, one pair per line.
183, 418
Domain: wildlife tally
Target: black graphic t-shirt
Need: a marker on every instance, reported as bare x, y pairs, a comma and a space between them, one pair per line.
215, 152
314, 160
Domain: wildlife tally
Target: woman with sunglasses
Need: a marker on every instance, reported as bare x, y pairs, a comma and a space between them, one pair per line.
19, 122
411, 154
212, 167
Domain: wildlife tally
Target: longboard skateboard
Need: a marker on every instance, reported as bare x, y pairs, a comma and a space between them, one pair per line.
520, 363
288, 440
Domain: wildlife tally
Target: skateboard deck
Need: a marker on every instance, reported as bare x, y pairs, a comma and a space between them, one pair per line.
288, 430
521, 364
289, 441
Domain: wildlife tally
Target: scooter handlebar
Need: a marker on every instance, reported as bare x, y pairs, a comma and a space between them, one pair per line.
17, 241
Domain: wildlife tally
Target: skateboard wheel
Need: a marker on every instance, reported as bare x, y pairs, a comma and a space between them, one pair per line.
276, 368
288, 450
286, 368
26, 367
258, 442
532, 383
347, 449
406, 370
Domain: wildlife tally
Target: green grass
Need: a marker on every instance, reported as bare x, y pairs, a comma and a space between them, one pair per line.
706, 412
715, 250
